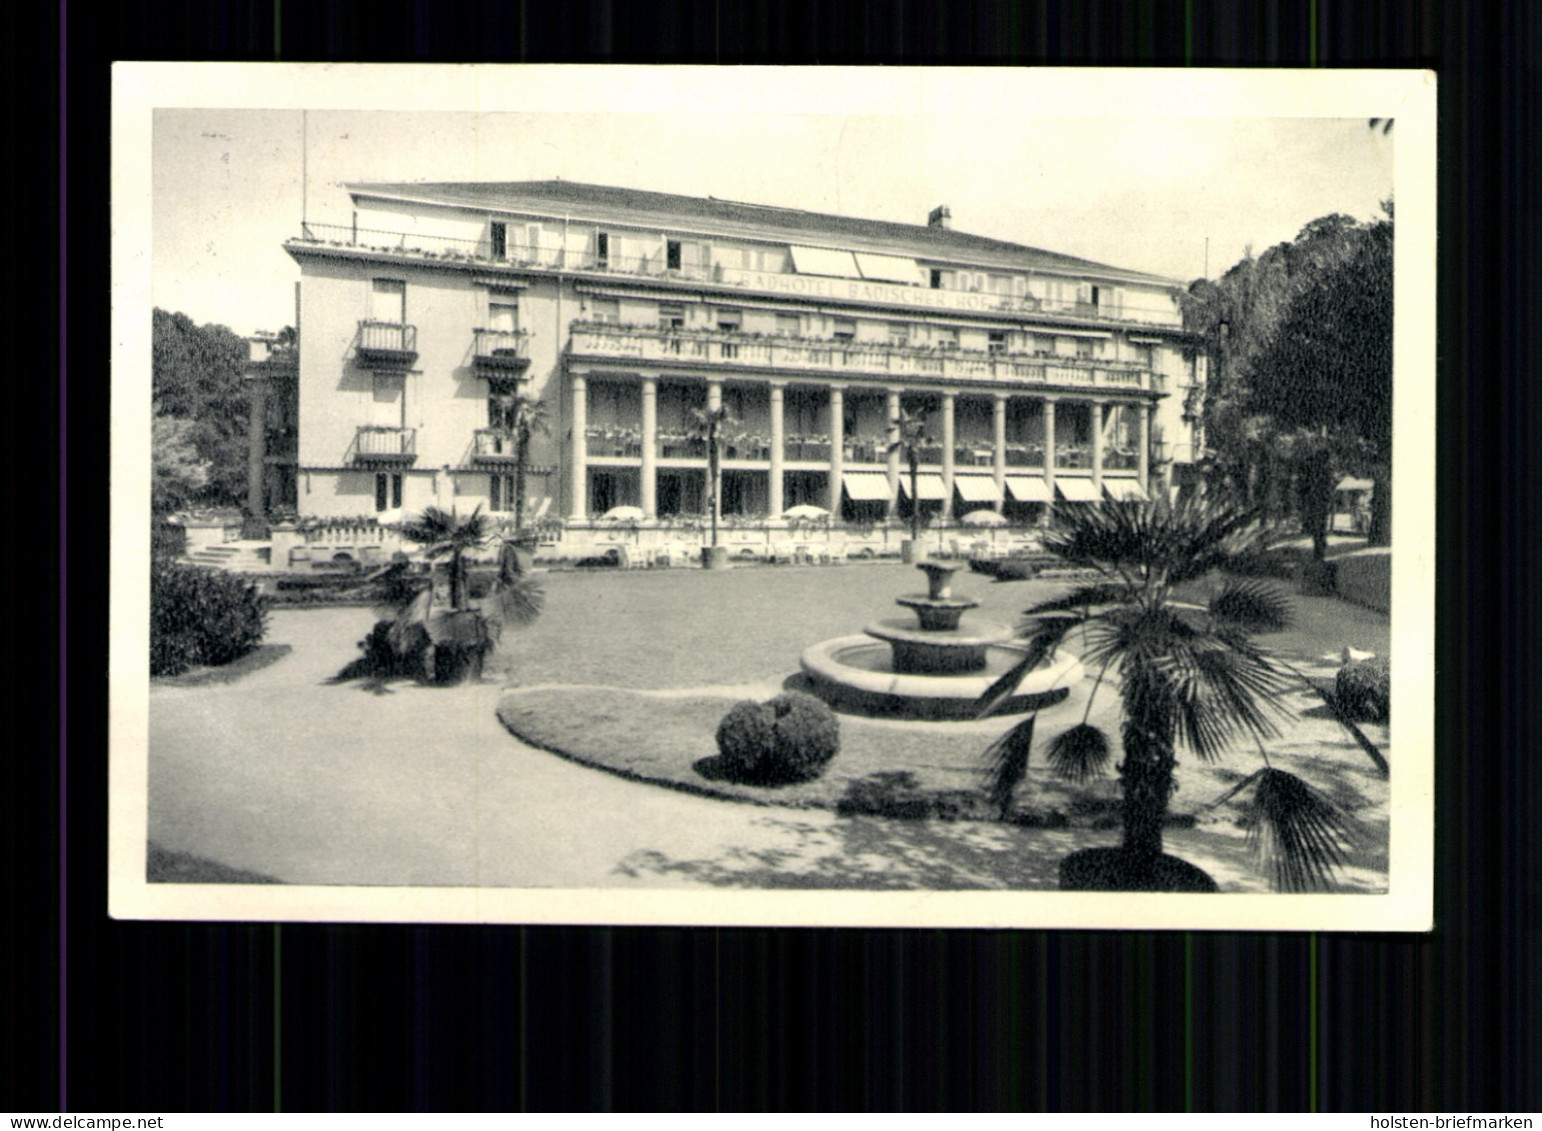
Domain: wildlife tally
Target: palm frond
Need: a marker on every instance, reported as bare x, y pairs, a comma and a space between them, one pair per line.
1082, 597
519, 599
1258, 606
1006, 763
1298, 834
1045, 636
1079, 754
414, 615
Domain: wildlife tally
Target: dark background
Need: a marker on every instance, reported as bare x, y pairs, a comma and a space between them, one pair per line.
108, 1016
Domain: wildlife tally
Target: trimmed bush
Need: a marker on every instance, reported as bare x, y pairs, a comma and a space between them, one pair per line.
788, 739
1364, 689
201, 616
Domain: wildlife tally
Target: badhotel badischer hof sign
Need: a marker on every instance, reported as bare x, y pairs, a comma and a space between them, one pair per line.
865, 290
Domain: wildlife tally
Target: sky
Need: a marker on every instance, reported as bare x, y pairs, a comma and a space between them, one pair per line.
1125, 186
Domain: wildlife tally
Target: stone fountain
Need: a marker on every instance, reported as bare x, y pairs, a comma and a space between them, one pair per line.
935, 666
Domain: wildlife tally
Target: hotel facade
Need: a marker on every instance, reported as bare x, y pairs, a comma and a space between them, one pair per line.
1041, 378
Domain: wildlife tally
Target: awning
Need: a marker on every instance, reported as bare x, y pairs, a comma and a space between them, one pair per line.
1349, 483
1077, 490
1124, 490
976, 488
928, 486
866, 486
824, 261
1026, 489
890, 268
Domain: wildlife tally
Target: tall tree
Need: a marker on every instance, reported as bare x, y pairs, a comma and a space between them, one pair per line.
196, 376
177, 475
714, 426
523, 416
910, 432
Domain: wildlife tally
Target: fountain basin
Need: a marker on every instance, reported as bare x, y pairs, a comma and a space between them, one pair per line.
924, 651
937, 614
856, 673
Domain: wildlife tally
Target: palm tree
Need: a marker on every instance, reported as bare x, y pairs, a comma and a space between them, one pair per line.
456, 639
523, 416
714, 426
910, 433
1188, 674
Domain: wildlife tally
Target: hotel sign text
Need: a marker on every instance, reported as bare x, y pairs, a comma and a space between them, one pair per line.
867, 290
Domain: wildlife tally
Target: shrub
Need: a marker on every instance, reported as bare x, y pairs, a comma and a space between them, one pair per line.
788, 739
201, 616
1364, 690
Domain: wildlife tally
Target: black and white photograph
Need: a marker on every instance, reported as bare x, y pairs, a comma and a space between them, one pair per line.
773, 496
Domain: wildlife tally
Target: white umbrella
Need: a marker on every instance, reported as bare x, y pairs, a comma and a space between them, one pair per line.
624, 514
983, 518
805, 510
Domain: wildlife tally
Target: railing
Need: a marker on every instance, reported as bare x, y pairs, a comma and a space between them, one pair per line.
871, 449
494, 445
613, 443
636, 343
802, 448
1069, 457
390, 340
674, 445
972, 455
656, 264
384, 443
1119, 459
501, 347
1025, 455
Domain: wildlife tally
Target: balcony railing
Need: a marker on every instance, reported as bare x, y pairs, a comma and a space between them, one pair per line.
613, 443
865, 449
803, 448
501, 349
748, 351
494, 446
1119, 459
393, 344
374, 443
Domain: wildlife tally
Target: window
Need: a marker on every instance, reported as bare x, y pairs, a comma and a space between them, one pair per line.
500, 493
605, 310
388, 491
500, 237
899, 333
1083, 347
996, 341
672, 255
602, 249
789, 324
729, 319
937, 279
503, 313
1001, 284
388, 301
946, 338
1143, 357
671, 315
843, 329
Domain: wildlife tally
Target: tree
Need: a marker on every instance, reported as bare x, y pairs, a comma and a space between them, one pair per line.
177, 475
196, 376
523, 416
910, 432
714, 426
445, 645
1187, 675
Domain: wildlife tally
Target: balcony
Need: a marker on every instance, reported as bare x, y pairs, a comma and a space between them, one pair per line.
494, 447
382, 444
602, 340
806, 449
386, 345
501, 352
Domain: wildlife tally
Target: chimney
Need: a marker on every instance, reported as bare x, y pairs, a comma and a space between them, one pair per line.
940, 217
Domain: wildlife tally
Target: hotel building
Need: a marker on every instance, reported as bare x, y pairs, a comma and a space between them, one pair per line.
1041, 377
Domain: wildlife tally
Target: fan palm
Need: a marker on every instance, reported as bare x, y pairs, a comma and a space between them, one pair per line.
910, 432
1187, 674
714, 426
471, 632
524, 416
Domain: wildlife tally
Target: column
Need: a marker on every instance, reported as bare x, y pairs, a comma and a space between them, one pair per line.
1096, 408
999, 449
714, 395
1143, 446
778, 389
256, 445
578, 507
947, 456
1049, 446
650, 447
892, 432
837, 447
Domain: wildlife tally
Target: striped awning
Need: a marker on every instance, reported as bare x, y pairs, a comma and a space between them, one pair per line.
889, 268
928, 487
976, 488
866, 486
1124, 490
1027, 489
1077, 490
